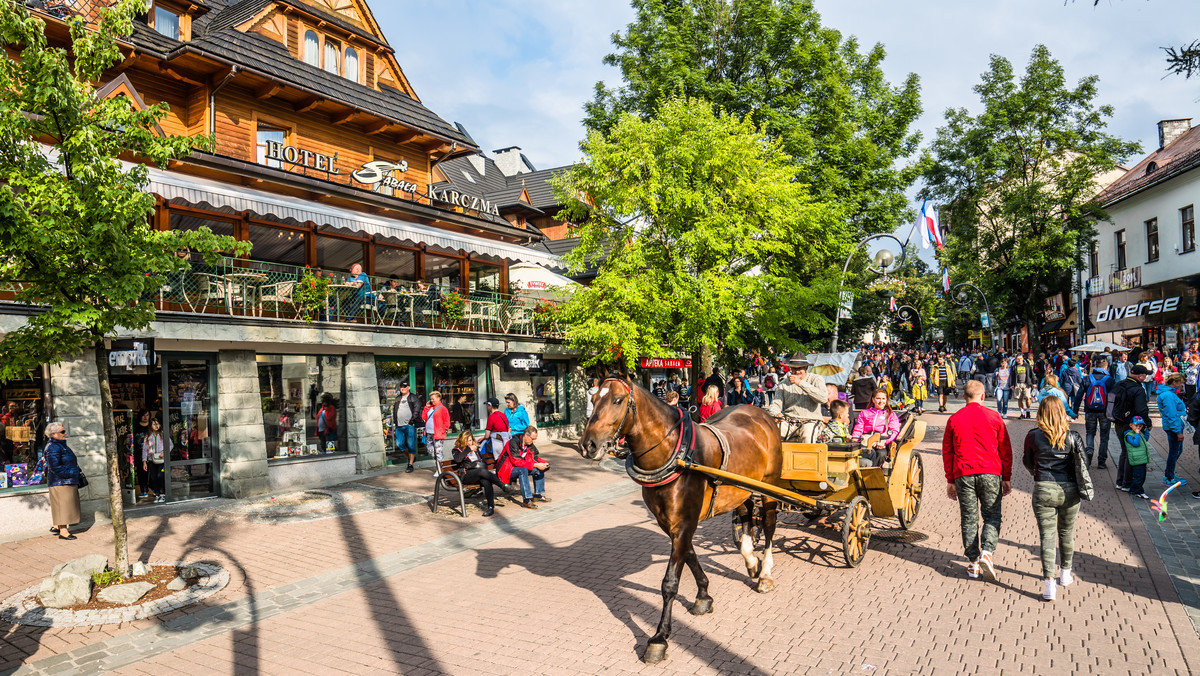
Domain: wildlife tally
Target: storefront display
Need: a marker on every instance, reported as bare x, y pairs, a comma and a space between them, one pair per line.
458, 380
21, 431
550, 390
291, 387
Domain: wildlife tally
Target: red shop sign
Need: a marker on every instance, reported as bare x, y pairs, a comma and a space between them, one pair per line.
656, 363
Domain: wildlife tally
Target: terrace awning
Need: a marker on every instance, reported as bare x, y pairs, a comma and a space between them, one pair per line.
215, 195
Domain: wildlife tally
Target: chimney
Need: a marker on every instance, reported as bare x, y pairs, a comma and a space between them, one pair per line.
508, 161
477, 161
1169, 130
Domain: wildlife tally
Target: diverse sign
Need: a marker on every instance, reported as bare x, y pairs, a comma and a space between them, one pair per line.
302, 158
665, 363
1157, 305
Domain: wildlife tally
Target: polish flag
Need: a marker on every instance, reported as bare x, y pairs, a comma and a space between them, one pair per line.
892, 306
931, 231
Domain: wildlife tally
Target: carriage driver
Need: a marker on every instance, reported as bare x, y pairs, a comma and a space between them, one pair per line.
797, 404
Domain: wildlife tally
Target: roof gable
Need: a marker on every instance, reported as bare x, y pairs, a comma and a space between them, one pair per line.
1178, 156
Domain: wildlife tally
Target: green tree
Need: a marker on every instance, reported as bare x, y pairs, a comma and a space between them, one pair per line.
824, 101
1019, 182
76, 243
707, 226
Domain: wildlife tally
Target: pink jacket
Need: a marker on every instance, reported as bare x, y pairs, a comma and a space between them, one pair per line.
877, 420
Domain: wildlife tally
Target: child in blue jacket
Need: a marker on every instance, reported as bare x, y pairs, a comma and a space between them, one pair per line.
1174, 415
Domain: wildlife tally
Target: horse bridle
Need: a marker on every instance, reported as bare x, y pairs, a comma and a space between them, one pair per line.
630, 405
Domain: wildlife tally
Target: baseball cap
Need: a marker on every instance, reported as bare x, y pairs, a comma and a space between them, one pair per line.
1137, 420
1140, 370
493, 402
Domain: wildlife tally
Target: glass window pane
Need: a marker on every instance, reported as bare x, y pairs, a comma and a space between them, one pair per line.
351, 71
484, 278
166, 22
269, 134
312, 49
443, 271
398, 263
332, 52
277, 245
338, 254
185, 222
549, 389
458, 381
291, 388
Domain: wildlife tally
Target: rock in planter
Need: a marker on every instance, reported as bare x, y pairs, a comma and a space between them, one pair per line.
139, 569
65, 589
189, 572
124, 594
178, 584
84, 566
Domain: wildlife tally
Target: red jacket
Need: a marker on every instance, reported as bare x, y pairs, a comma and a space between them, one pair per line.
976, 442
330, 417
709, 410
497, 422
515, 455
441, 420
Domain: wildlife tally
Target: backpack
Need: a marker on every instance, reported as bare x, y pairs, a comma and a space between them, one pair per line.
770, 381
1119, 407
1096, 398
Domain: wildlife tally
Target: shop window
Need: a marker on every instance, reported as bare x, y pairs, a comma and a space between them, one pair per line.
443, 271
277, 245
291, 388
1152, 240
268, 133
334, 253
459, 382
21, 431
312, 49
333, 52
390, 374
166, 22
1187, 220
395, 263
484, 277
1120, 241
351, 67
550, 392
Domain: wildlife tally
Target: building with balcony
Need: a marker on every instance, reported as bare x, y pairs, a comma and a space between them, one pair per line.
326, 160
1144, 272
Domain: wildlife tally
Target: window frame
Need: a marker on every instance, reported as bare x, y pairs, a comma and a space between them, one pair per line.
180, 25
1153, 252
1094, 259
1187, 229
334, 48
352, 76
304, 47
1121, 258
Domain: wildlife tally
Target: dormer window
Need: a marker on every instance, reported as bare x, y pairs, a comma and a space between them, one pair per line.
1151, 168
312, 49
333, 53
166, 22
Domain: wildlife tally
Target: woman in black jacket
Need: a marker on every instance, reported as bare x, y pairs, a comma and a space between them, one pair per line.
62, 473
737, 395
1048, 457
472, 470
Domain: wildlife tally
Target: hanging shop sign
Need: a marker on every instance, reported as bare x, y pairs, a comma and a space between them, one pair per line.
458, 199
669, 363
301, 157
382, 176
1121, 280
1155, 305
132, 353
523, 363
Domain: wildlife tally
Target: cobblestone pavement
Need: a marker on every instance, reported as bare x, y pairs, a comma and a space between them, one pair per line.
573, 589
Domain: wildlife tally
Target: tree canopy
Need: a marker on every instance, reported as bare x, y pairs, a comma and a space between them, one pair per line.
1019, 181
824, 101
706, 226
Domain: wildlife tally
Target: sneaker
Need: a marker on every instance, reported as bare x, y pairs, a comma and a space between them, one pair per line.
1065, 578
985, 566
540, 498
409, 469
1102, 466
142, 496
528, 504
1196, 494
1123, 488
1178, 479
973, 570
1050, 590
1139, 495
161, 498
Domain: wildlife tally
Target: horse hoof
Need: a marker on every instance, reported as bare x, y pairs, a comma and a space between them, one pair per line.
765, 585
701, 607
753, 572
655, 653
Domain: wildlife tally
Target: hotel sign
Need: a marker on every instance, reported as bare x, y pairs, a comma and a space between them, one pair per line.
302, 158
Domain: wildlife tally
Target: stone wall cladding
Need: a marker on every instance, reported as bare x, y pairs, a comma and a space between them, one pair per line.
242, 436
364, 428
76, 396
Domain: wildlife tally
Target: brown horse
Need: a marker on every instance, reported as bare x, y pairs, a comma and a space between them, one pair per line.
680, 500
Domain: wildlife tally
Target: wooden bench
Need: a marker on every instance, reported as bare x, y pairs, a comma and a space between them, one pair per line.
448, 480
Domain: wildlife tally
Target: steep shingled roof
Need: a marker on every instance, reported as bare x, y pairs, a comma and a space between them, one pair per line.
1182, 154
495, 187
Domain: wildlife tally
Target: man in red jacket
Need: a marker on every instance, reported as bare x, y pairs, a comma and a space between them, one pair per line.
437, 423
978, 457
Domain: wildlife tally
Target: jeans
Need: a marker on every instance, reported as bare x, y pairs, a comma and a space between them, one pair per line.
1092, 419
406, 439
1055, 506
158, 477
1137, 482
1174, 450
539, 481
979, 493
1150, 386
1002, 396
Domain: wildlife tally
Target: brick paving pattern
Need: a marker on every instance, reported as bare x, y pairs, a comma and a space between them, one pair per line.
573, 589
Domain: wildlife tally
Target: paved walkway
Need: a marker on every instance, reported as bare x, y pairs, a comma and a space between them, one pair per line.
573, 589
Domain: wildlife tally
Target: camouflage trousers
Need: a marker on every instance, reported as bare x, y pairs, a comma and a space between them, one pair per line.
979, 493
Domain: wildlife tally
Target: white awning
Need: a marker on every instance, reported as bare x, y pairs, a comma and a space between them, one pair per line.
200, 192
537, 279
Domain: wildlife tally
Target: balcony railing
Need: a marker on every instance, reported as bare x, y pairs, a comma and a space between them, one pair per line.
258, 289
88, 10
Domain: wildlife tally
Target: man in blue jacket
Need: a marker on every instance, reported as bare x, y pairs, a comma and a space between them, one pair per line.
518, 417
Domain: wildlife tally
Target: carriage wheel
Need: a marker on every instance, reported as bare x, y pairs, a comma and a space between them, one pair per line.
856, 531
912, 491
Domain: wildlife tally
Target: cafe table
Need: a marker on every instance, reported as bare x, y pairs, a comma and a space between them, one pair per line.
248, 280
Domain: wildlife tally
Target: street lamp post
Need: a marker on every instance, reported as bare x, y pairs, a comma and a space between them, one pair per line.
884, 262
905, 314
961, 298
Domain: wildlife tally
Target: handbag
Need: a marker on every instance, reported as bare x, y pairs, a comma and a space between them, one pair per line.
83, 482
1083, 479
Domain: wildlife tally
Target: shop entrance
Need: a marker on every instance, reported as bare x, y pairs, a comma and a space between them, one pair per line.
463, 384
181, 390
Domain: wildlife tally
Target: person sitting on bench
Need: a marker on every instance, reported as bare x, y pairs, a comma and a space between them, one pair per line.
879, 419
471, 470
520, 459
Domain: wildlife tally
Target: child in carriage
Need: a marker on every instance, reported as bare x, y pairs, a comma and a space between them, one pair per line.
837, 430
879, 419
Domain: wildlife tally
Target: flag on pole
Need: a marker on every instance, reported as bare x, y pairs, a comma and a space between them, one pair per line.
946, 281
931, 231
892, 305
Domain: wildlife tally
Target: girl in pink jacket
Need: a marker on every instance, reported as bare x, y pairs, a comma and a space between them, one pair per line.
879, 419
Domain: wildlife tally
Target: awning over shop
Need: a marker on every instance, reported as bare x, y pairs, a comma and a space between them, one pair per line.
221, 196
1051, 327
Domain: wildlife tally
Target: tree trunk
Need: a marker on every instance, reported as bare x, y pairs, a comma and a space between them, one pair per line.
116, 503
1035, 339
701, 367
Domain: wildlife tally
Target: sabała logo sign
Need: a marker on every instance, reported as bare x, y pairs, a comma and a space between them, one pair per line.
1148, 307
